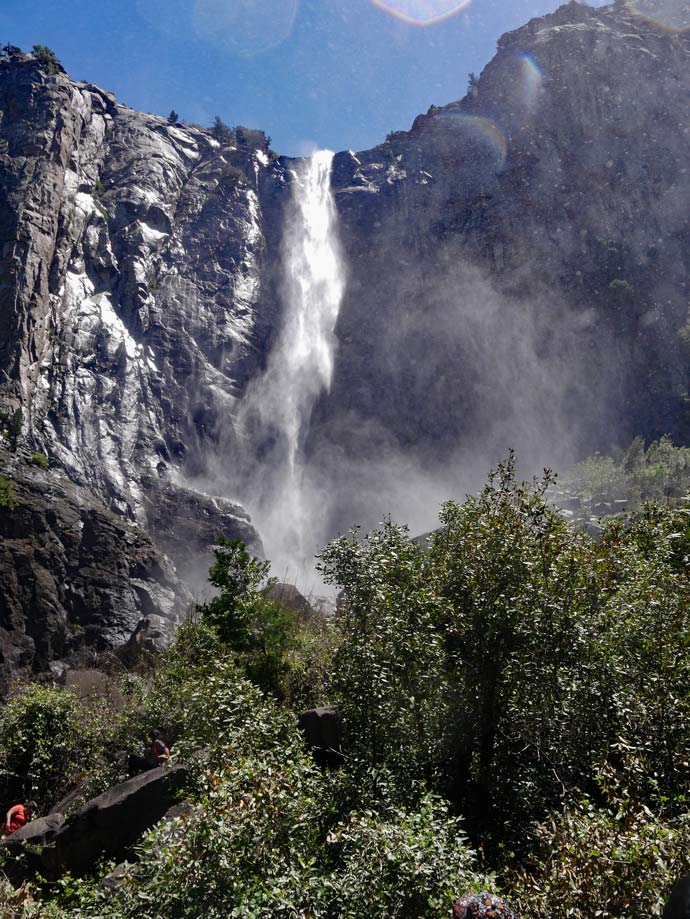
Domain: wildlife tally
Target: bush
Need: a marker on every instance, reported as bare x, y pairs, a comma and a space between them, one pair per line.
265, 841
617, 861
39, 459
48, 60
389, 668
403, 864
6, 493
48, 742
222, 132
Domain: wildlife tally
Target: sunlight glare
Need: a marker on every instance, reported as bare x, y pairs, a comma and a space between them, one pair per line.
482, 131
422, 12
671, 15
245, 27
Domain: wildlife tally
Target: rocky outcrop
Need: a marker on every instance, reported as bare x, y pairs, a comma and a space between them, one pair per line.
75, 577
131, 315
518, 268
323, 732
104, 827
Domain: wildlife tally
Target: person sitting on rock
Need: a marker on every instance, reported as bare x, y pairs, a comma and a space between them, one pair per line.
157, 754
477, 905
18, 816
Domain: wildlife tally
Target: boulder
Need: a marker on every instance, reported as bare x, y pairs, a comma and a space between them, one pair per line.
678, 903
32, 847
104, 827
291, 598
90, 684
322, 729
109, 824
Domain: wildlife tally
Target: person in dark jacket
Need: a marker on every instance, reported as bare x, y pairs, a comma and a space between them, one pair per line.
157, 754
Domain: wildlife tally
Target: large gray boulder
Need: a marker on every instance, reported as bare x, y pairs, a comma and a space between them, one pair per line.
106, 826
109, 824
33, 847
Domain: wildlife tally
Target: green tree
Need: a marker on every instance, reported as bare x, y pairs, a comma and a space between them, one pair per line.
173, 117
47, 59
519, 593
222, 132
389, 668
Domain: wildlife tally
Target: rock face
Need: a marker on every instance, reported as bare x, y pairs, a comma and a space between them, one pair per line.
323, 732
131, 315
517, 271
75, 577
678, 904
518, 266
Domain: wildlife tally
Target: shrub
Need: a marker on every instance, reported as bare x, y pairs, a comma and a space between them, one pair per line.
47, 59
617, 861
6, 493
222, 132
48, 741
403, 864
389, 668
39, 459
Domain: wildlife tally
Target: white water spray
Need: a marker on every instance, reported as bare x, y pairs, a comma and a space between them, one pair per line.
277, 408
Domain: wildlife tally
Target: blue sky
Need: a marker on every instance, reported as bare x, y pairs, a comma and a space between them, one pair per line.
311, 73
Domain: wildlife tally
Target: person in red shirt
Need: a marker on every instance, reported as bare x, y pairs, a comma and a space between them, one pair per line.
18, 816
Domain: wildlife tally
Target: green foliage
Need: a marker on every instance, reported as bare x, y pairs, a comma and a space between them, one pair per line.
9, 50
6, 493
603, 486
98, 188
234, 175
222, 132
516, 671
266, 840
252, 138
39, 459
617, 860
388, 672
173, 117
48, 741
405, 863
239, 578
11, 426
47, 59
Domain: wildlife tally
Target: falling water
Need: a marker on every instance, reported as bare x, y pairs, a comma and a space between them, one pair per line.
277, 409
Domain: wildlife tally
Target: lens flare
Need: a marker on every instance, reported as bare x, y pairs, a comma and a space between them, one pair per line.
532, 80
480, 131
244, 27
422, 12
671, 15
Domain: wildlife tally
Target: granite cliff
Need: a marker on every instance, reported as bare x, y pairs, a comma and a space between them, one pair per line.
517, 276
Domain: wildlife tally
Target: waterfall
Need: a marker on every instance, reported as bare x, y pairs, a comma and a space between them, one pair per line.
276, 412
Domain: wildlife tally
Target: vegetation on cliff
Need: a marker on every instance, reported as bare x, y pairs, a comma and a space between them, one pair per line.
516, 714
